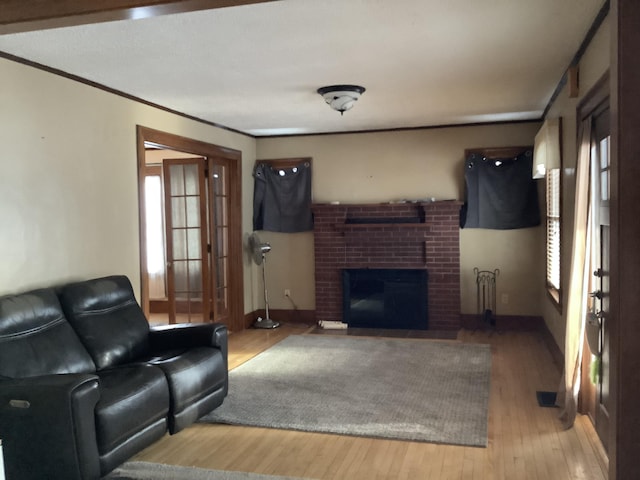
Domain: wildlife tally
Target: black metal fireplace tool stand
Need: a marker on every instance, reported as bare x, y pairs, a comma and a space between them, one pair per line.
486, 298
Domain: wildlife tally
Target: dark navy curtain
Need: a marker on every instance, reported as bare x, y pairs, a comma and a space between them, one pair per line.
500, 193
282, 198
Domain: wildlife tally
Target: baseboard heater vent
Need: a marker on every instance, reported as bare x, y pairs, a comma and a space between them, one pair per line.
546, 399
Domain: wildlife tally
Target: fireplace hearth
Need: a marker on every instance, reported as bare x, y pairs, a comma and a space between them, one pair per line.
385, 298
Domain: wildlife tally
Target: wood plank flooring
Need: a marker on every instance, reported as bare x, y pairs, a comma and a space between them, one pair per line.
526, 441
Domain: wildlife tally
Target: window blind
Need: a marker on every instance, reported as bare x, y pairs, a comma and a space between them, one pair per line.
553, 228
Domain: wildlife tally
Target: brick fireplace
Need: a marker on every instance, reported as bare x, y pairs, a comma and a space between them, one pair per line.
389, 236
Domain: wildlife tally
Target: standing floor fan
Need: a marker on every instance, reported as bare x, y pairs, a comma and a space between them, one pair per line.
259, 250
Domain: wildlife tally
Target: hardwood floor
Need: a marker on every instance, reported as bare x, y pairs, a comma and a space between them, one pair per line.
526, 441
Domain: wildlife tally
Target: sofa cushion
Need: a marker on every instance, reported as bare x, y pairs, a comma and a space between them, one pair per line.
108, 319
193, 375
36, 339
132, 398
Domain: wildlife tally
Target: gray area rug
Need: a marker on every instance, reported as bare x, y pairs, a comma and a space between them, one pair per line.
158, 471
375, 387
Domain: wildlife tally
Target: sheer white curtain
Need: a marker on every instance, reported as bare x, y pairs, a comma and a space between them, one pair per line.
578, 283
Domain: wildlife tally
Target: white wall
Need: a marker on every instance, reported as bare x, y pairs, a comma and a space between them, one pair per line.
68, 179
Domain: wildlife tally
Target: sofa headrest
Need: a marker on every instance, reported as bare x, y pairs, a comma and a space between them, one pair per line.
107, 318
36, 339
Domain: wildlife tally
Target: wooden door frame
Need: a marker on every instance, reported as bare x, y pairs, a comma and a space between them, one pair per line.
190, 146
625, 230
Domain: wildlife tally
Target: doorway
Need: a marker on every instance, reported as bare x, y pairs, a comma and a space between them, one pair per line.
600, 260
595, 390
190, 230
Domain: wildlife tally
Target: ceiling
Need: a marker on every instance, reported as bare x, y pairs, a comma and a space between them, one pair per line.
256, 68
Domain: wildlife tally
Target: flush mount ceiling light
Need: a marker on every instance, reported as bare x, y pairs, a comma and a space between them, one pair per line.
341, 97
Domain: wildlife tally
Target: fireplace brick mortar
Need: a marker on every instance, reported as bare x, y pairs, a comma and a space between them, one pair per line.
407, 235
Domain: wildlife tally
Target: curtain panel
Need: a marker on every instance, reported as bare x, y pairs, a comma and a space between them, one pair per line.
578, 282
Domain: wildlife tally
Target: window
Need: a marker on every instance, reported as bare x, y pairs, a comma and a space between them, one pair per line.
605, 168
156, 261
553, 233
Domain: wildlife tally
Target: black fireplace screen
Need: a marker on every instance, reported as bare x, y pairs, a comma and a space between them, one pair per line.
385, 298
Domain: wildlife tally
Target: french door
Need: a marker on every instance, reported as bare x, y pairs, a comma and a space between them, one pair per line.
220, 234
187, 241
595, 391
197, 239
601, 254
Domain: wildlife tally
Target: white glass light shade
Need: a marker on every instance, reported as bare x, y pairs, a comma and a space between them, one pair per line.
342, 101
341, 97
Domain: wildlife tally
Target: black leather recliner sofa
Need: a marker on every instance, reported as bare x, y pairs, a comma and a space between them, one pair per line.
85, 383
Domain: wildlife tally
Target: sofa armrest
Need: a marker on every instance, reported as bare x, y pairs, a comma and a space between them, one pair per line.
47, 426
186, 335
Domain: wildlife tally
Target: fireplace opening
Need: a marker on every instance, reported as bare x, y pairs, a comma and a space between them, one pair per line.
385, 298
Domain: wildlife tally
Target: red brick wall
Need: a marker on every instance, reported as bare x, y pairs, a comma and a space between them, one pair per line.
432, 244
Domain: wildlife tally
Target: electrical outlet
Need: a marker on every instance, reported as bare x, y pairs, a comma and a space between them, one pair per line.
505, 298
287, 292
